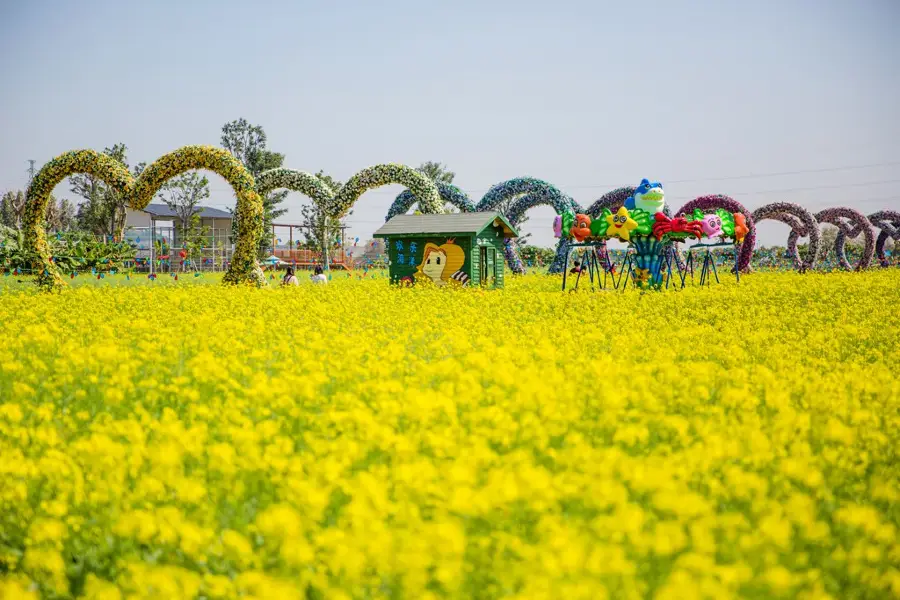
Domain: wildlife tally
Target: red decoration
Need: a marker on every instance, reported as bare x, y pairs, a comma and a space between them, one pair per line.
664, 225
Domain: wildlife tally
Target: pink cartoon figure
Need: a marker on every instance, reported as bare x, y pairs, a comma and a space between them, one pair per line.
557, 226
712, 225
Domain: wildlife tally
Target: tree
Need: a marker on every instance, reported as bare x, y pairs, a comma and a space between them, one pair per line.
12, 209
183, 194
436, 171
103, 210
321, 230
60, 215
330, 181
247, 143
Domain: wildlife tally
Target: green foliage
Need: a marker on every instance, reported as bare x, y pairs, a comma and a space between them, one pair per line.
330, 181
727, 221
644, 220
12, 209
195, 237
247, 143
102, 210
322, 231
77, 250
436, 172
71, 251
183, 195
568, 219
600, 225
13, 251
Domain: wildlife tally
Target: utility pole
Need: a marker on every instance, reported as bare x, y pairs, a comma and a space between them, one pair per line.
31, 170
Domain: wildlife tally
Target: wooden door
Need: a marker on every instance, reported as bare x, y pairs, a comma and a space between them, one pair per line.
489, 274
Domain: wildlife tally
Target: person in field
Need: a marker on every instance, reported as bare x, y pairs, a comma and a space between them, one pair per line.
319, 276
289, 277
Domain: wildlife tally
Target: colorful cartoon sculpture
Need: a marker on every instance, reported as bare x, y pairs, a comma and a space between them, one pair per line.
677, 228
557, 226
581, 229
740, 227
600, 224
621, 224
648, 196
567, 220
712, 225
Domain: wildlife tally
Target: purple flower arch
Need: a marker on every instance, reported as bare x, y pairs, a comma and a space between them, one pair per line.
798, 229
515, 213
799, 220
450, 194
533, 192
850, 223
709, 204
611, 200
888, 221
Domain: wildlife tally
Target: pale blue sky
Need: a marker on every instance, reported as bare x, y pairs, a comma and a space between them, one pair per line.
586, 95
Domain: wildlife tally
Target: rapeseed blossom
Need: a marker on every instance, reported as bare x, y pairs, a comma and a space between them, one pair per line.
363, 441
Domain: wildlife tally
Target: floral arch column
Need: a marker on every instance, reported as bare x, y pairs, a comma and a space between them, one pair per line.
888, 221
138, 194
794, 216
517, 211
539, 192
850, 223
450, 194
422, 188
709, 204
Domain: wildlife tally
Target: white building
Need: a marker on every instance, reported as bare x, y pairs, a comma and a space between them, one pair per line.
158, 222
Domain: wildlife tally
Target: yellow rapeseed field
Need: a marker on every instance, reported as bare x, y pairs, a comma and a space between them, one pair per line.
360, 441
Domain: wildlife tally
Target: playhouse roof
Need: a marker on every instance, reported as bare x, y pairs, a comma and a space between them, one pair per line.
472, 223
205, 212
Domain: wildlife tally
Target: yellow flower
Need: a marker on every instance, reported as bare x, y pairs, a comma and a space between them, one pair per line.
374, 441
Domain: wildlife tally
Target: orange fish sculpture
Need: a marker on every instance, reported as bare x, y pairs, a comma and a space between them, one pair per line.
581, 228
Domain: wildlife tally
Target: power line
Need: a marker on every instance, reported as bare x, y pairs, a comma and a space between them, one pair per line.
804, 189
696, 180
758, 175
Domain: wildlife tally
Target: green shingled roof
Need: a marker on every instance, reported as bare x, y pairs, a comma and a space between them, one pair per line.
459, 223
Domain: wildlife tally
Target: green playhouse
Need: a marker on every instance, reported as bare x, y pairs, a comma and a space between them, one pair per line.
454, 249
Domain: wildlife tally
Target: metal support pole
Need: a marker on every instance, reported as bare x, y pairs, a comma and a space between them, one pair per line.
152, 242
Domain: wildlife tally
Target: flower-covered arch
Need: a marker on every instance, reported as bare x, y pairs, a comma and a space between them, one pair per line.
850, 223
138, 194
450, 194
711, 203
421, 187
611, 200
534, 192
800, 221
888, 221
515, 213
297, 181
